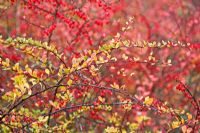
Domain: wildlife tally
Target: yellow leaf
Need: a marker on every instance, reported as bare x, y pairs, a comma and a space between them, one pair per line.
42, 118
69, 82
189, 116
148, 101
114, 85
6, 63
20, 82
142, 118
134, 126
28, 70
16, 67
182, 121
175, 124
67, 70
47, 71
124, 131
101, 99
111, 130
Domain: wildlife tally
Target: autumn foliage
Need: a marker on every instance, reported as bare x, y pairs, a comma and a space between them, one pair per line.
100, 66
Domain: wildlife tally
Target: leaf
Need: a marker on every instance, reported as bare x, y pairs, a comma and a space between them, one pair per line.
142, 118
189, 116
29, 91
6, 63
148, 101
134, 126
16, 67
124, 56
69, 82
42, 119
126, 43
114, 85
28, 69
101, 99
111, 130
47, 71
67, 70
175, 124
21, 83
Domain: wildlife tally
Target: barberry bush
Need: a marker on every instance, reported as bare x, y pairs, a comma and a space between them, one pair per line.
99, 66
